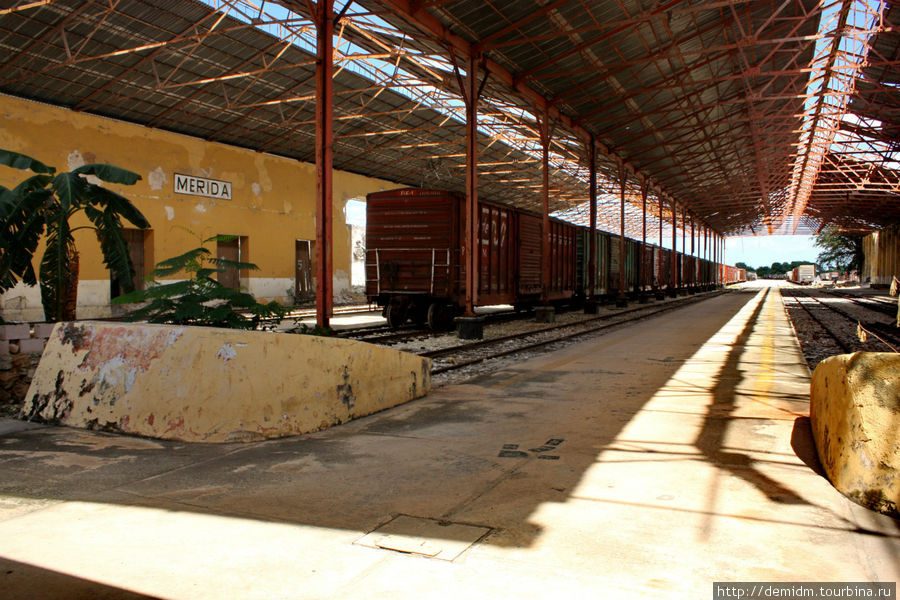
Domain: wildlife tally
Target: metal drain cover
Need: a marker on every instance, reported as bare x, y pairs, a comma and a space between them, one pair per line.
426, 537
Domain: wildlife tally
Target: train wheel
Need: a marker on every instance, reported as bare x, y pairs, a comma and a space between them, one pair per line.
418, 314
395, 315
436, 317
440, 316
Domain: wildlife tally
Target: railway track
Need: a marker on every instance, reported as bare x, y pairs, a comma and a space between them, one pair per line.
464, 355
385, 334
885, 307
843, 333
795, 300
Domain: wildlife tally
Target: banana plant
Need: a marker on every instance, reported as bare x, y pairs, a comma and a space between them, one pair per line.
199, 299
43, 206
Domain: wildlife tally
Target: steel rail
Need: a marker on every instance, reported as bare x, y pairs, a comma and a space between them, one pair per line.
835, 337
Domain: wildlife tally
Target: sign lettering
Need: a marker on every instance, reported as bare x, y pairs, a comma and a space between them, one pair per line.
200, 186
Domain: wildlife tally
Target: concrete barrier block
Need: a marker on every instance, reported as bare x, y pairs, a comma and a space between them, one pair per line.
31, 346
854, 411
202, 384
18, 331
43, 330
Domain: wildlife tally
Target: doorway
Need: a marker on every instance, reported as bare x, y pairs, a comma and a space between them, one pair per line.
234, 250
304, 288
135, 239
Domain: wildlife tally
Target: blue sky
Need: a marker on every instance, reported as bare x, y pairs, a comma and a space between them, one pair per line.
764, 250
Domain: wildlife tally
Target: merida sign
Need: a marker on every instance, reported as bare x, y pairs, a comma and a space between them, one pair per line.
198, 186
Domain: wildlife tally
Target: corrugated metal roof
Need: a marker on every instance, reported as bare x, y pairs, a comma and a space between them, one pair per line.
706, 99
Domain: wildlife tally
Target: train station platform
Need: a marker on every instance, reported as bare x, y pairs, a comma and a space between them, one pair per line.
649, 462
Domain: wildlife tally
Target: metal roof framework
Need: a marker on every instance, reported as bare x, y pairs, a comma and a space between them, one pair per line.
757, 116
240, 75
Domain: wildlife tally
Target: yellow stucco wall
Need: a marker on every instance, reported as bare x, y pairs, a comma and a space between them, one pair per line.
272, 198
203, 384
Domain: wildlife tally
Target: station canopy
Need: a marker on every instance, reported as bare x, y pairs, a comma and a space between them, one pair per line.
754, 117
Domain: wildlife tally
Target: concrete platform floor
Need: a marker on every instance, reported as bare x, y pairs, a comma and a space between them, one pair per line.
646, 463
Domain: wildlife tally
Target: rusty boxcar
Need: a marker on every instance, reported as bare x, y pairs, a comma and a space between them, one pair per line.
415, 262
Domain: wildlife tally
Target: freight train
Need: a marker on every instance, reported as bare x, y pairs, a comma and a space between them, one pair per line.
415, 263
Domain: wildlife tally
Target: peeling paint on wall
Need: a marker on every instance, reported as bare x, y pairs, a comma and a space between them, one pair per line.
157, 179
255, 187
226, 352
170, 212
169, 382
75, 160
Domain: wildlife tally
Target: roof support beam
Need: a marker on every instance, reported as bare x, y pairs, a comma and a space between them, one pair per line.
622, 299
414, 14
592, 199
324, 143
545, 212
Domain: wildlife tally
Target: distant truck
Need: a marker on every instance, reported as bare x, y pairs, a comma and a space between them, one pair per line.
804, 274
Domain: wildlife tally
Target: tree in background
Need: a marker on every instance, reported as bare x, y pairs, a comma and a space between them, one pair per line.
840, 251
745, 266
778, 268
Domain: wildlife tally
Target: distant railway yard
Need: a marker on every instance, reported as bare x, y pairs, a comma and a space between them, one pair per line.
830, 322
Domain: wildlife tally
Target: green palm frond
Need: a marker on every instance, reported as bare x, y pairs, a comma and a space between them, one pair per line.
108, 173
21, 227
69, 189
113, 246
224, 263
155, 292
190, 261
220, 238
23, 162
57, 275
10, 200
116, 203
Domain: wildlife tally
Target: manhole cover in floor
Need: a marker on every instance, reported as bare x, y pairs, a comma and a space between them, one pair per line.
427, 537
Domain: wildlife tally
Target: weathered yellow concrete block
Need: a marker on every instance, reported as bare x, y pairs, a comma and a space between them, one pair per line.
202, 384
855, 414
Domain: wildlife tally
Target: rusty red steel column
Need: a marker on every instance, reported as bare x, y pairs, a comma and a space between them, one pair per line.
705, 253
718, 259
471, 249
622, 258
592, 242
545, 221
693, 257
324, 16
722, 244
681, 272
644, 191
657, 273
715, 257
674, 281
